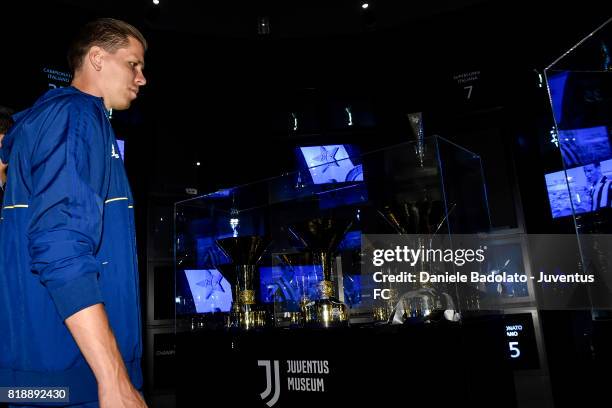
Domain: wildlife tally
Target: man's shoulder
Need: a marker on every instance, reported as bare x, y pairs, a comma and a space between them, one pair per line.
66, 101
59, 112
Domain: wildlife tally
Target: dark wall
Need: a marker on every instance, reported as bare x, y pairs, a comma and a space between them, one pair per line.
222, 95
224, 100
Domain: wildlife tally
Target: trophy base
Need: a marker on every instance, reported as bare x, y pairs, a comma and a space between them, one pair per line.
382, 313
289, 319
246, 318
326, 313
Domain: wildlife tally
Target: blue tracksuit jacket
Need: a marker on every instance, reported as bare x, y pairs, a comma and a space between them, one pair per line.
67, 241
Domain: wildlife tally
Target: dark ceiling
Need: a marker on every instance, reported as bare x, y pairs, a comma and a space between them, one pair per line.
288, 19
204, 51
320, 18
214, 80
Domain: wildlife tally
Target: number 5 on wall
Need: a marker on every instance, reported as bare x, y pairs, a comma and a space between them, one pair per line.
514, 350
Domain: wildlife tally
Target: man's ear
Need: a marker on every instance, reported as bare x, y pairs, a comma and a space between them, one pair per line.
95, 56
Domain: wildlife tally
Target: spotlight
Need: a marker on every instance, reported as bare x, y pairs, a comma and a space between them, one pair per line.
364, 5
263, 25
156, 2
349, 115
197, 163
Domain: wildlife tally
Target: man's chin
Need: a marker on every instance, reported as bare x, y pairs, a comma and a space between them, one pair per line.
123, 106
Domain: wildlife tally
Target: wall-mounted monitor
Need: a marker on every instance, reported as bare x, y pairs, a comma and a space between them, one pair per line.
210, 290
289, 283
583, 146
586, 188
325, 164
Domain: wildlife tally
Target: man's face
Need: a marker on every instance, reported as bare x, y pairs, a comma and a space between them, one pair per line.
1, 137
122, 75
592, 173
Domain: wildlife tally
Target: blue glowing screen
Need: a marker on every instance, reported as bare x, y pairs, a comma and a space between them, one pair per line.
331, 164
588, 185
210, 290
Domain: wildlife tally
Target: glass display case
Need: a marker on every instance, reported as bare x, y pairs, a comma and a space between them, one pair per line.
287, 251
277, 307
579, 85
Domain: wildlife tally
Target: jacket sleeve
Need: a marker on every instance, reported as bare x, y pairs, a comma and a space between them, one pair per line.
67, 169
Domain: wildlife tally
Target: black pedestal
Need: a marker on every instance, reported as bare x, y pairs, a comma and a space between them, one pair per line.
460, 365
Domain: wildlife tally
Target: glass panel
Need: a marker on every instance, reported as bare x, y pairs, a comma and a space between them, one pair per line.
287, 250
580, 93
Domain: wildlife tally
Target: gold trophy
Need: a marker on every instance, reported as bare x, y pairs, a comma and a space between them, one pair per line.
382, 311
244, 252
229, 271
417, 301
295, 261
403, 218
321, 237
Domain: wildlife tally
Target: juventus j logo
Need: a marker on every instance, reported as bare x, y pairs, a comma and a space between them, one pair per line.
114, 154
268, 390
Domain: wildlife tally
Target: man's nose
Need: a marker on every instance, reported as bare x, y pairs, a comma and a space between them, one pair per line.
140, 79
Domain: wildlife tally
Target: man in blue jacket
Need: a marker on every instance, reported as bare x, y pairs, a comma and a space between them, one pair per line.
69, 301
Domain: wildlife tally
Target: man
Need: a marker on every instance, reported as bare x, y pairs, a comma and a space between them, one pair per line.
600, 186
69, 301
6, 121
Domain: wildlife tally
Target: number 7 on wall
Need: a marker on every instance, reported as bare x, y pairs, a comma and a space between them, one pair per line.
469, 90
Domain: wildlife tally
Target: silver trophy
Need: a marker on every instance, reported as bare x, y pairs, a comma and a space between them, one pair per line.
416, 123
421, 302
